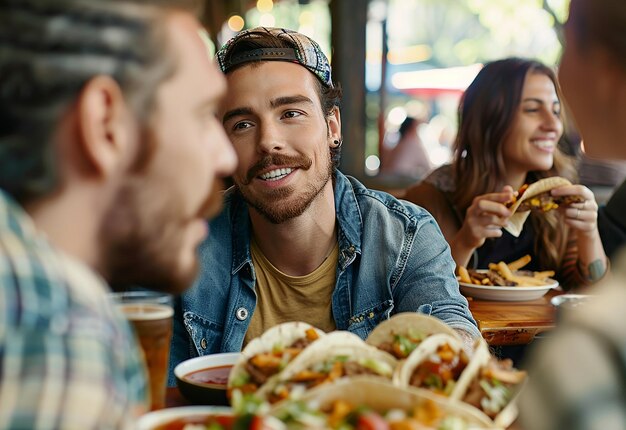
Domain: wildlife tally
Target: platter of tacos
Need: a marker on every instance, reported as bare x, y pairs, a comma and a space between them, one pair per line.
413, 371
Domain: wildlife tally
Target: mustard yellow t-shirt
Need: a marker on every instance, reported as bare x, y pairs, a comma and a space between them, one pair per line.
282, 298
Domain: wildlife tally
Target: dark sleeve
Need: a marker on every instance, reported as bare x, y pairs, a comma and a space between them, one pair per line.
612, 221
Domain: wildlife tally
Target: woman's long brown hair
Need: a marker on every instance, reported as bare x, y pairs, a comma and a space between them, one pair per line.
486, 115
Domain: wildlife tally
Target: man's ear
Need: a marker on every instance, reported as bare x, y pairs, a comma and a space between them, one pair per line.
334, 124
103, 125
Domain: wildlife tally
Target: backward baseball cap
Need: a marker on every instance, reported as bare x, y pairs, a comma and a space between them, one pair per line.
301, 49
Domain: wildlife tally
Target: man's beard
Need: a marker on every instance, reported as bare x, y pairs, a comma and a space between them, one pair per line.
275, 205
143, 239
141, 246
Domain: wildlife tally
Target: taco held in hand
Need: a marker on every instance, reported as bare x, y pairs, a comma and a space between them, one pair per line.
537, 197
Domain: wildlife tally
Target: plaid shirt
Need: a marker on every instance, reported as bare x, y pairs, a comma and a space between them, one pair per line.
67, 358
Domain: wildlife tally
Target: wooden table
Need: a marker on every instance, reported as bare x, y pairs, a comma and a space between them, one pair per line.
513, 323
174, 398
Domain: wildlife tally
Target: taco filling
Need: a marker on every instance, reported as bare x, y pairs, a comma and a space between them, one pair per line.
545, 202
327, 371
260, 367
494, 387
403, 344
344, 415
439, 371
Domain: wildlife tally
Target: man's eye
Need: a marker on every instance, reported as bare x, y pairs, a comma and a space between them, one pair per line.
241, 125
292, 114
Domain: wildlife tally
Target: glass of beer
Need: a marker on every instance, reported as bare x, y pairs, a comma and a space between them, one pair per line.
151, 316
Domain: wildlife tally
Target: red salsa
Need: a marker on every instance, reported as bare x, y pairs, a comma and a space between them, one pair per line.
212, 375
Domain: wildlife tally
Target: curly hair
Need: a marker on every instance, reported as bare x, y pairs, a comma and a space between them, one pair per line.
48, 51
486, 116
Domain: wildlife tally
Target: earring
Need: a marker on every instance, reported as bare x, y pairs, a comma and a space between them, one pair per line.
338, 143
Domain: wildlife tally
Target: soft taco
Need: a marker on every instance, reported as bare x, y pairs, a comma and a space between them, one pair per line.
338, 355
403, 332
536, 197
270, 353
492, 386
368, 403
436, 365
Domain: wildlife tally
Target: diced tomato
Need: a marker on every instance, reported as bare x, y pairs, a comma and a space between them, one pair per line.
371, 421
257, 423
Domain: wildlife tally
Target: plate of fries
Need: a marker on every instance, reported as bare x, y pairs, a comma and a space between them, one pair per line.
506, 282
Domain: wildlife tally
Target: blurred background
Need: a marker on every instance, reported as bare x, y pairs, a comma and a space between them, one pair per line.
403, 65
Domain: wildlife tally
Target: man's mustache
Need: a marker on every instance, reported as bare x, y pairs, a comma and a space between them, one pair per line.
299, 162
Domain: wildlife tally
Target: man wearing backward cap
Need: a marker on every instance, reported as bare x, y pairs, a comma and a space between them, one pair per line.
298, 240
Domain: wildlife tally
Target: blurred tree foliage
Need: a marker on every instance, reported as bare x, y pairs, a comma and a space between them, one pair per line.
462, 32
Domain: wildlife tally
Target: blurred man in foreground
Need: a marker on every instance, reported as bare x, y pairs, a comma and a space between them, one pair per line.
110, 160
578, 378
298, 240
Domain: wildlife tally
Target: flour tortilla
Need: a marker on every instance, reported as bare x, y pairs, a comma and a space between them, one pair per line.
280, 336
381, 396
403, 373
334, 344
480, 358
517, 220
402, 323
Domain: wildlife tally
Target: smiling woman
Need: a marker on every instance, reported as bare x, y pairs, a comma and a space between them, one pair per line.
509, 128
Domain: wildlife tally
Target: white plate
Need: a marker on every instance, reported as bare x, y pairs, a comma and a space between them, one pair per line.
151, 420
506, 294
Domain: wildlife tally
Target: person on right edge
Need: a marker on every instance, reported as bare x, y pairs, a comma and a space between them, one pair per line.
578, 375
509, 129
612, 222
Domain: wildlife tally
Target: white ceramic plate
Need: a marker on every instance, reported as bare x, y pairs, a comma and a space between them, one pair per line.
152, 420
506, 294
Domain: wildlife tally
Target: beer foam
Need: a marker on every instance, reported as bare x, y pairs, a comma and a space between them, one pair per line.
146, 311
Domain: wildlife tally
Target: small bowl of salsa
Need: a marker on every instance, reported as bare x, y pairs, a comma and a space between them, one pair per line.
203, 380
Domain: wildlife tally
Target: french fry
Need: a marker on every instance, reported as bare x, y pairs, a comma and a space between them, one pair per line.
528, 281
493, 267
505, 272
464, 275
519, 263
544, 275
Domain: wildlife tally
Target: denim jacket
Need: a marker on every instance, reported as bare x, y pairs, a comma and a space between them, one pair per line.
392, 258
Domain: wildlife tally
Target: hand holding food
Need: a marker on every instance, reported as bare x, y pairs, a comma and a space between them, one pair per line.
580, 209
485, 217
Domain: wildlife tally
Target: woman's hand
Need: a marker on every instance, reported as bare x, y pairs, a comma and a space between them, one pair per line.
485, 218
582, 217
